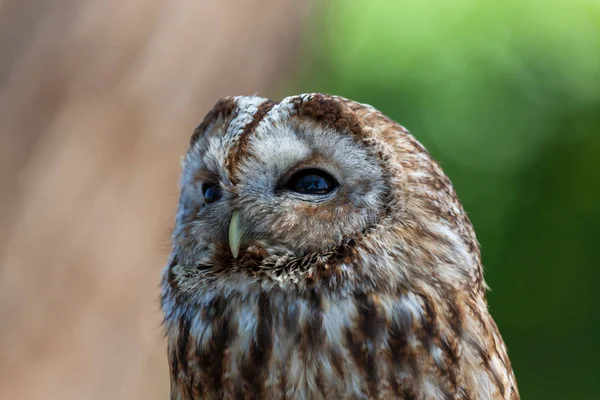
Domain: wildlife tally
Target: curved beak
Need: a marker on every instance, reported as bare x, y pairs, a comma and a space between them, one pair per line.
236, 234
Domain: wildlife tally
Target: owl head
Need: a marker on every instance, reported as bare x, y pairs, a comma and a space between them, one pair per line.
315, 191
320, 252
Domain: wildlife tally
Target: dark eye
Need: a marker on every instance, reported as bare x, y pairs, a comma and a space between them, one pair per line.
311, 181
211, 192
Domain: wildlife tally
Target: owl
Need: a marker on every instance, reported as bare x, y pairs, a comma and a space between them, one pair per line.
319, 252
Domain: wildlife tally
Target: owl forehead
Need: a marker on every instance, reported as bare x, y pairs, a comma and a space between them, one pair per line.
214, 142
246, 114
236, 124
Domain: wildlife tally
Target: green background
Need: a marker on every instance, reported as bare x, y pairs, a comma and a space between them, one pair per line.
506, 96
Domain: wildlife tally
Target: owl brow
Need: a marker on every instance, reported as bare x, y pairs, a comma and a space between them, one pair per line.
315, 160
205, 175
242, 141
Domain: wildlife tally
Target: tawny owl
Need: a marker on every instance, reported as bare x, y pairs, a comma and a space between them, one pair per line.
319, 252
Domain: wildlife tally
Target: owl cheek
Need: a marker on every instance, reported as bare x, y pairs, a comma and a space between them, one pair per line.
324, 214
306, 210
190, 203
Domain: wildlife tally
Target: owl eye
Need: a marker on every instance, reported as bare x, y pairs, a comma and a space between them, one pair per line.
211, 192
311, 181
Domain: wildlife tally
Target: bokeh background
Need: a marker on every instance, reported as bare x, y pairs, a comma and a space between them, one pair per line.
98, 99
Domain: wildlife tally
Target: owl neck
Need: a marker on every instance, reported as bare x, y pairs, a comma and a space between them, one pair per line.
250, 335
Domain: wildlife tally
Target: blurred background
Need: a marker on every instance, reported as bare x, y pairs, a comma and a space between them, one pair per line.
98, 100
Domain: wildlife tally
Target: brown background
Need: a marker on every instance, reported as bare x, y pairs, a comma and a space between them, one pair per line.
97, 102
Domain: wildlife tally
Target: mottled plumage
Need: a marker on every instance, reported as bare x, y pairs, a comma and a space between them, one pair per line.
374, 291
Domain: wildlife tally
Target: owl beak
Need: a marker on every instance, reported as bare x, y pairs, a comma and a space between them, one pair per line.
236, 234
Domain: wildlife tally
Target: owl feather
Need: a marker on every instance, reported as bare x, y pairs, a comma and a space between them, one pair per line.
320, 252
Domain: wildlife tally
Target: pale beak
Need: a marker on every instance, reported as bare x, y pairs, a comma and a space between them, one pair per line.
236, 234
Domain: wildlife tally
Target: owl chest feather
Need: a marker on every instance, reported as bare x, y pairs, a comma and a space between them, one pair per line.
275, 344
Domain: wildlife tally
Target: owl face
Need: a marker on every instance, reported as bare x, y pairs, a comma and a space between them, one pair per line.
289, 186
316, 185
